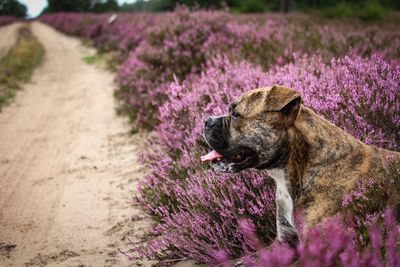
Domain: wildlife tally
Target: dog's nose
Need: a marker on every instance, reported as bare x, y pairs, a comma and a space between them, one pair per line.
211, 121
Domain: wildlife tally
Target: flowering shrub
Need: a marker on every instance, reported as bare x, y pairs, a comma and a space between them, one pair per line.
4, 20
188, 40
332, 244
213, 57
180, 189
180, 48
179, 43
365, 212
121, 35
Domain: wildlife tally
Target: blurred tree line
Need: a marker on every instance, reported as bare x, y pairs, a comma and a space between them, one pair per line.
12, 8
96, 6
245, 6
365, 9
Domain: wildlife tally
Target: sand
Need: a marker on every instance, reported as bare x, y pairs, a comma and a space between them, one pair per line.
68, 165
8, 37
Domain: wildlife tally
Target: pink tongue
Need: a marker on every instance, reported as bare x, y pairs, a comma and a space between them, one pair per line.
211, 156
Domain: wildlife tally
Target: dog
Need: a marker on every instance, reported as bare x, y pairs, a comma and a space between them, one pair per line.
313, 162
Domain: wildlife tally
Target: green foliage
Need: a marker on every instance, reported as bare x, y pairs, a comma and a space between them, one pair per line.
252, 6
68, 5
107, 6
368, 11
365, 9
341, 10
92, 59
97, 6
17, 66
12, 8
372, 10
168, 5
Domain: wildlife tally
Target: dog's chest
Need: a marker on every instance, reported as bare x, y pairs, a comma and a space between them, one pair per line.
283, 199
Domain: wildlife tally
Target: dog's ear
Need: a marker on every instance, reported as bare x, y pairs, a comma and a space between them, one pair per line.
285, 100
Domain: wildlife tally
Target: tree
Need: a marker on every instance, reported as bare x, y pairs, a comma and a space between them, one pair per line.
109, 5
285, 4
12, 8
81, 6
68, 5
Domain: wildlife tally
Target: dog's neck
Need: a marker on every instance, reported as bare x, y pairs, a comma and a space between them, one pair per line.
295, 164
309, 137
289, 180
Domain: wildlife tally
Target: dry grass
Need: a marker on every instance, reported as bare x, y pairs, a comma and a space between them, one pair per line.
17, 66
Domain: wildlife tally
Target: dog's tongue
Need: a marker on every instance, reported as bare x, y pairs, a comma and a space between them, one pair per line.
211, 156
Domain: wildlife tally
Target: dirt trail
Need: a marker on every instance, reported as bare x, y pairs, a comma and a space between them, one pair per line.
8, 37
67, 166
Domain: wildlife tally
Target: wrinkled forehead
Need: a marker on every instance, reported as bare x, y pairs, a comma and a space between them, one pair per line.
251, 101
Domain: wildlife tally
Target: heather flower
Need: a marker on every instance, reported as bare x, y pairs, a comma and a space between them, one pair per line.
181, 67
156, 47
4, 20
184, 185
333, 244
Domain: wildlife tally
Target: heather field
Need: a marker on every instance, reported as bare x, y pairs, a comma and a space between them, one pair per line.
4, 20
175, 69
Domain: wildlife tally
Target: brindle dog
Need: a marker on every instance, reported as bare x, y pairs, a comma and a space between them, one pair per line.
313, 162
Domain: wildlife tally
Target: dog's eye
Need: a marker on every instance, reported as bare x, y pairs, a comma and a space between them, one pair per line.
235, 115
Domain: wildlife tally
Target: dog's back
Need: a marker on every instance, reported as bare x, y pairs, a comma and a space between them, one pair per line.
336, 162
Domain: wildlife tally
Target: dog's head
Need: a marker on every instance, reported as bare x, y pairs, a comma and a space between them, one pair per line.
255, 132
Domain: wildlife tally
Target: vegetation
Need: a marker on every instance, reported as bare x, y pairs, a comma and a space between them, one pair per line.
17, 66
367, 9
4, 20
97, 6
364, 9
179, 67
12, 8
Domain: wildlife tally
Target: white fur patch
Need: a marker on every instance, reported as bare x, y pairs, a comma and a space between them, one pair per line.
282, 194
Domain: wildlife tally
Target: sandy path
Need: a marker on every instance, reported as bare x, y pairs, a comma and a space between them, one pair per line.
67, 166
8, 36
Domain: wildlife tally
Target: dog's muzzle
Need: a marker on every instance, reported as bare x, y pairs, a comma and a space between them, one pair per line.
216, 132
225, 157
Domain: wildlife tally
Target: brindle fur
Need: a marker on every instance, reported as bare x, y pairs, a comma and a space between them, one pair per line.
320, 162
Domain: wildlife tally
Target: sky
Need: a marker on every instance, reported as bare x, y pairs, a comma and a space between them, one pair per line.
36, 6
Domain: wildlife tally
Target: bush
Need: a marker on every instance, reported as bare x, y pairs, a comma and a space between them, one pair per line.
179, 48
188, 40
213, 57
340, 10
122, 36
157, 47
252, 6
357, 94
4, 20
372, 10
332, 244
180, 190
366, 203
369, 11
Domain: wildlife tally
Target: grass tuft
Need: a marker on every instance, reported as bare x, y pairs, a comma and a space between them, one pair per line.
17, 65
91, 59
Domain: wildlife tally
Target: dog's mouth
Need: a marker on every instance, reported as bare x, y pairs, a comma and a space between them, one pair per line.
238, 158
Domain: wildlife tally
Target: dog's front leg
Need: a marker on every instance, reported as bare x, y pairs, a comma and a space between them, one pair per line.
286, 230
